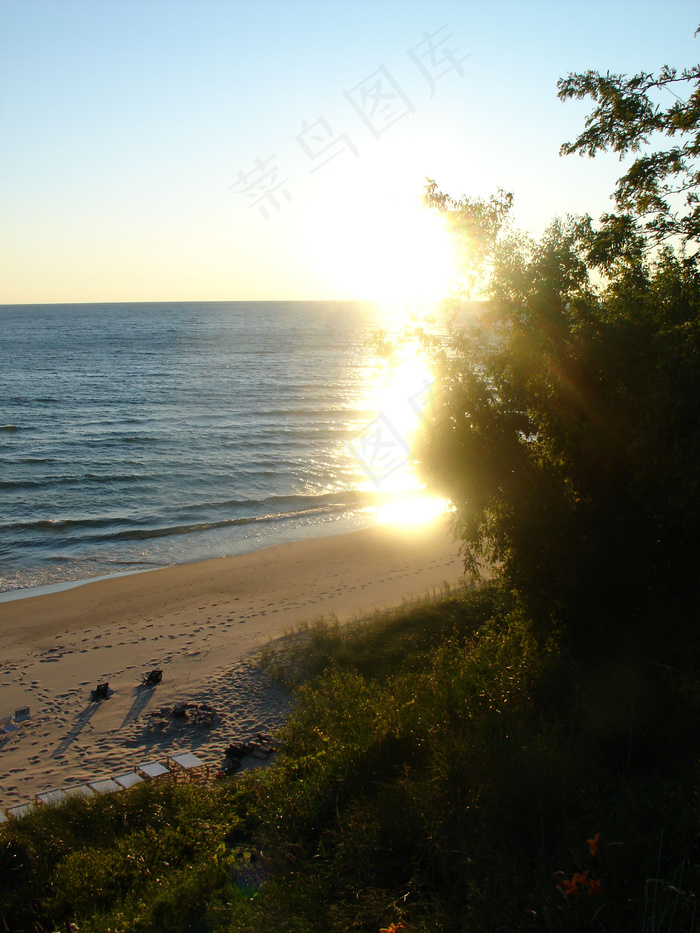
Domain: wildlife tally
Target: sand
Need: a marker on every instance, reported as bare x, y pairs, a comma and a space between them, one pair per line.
203, 625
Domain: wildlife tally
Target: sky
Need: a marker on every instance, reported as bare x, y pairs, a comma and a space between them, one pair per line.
172, 150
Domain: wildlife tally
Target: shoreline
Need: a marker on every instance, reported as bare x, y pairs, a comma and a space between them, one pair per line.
194, 554
47, 589
202, 623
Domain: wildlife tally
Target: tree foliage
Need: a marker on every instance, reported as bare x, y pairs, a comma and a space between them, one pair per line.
566, 426
661, 185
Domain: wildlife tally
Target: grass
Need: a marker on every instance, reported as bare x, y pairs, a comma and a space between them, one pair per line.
444, 769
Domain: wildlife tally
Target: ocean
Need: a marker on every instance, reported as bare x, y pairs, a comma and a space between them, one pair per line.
135, 436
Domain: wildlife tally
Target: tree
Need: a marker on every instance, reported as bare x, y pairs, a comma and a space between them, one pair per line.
660, 188
566, 432
566, 426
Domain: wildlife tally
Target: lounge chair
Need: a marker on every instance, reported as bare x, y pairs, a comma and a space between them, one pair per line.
188, 766
154, 771
151, 679
127, 779
51, 797
78, 790
20, 810
101, 692
105, 786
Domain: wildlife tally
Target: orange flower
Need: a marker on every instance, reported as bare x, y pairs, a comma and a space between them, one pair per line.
594, 887
580, 881
569, 888
593, 844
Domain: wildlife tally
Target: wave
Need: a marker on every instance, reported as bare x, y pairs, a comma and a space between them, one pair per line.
50, 482
165, 421
122, 528
316, 413
198, 527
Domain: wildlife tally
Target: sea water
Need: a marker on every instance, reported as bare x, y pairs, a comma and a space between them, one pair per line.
135, 436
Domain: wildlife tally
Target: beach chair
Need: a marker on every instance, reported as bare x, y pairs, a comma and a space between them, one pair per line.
105, 786
22, 809
188, 767
154, 771
151, 679
78, 790
101, 692
127, 779
12, 723
52, 797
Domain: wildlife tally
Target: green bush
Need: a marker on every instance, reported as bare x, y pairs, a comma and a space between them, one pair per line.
444, 768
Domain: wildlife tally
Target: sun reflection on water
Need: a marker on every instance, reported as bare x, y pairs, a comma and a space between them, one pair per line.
416, 510
400, 397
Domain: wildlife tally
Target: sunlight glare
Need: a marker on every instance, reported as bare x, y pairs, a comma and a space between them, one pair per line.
402, 252
415, 510
401, 393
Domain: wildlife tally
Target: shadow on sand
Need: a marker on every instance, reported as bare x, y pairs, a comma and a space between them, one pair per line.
143, 695
80, 723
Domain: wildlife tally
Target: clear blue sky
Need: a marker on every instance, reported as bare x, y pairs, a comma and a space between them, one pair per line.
221, 149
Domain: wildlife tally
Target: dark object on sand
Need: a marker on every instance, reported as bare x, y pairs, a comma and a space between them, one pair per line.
101, 692
260, 746
151, 679
232, 765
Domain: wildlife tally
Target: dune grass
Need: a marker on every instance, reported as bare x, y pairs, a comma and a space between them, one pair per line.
444, 769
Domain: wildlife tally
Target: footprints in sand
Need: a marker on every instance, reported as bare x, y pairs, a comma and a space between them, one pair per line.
71, 739
53, 655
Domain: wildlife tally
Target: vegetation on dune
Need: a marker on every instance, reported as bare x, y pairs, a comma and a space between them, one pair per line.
520, 755
446, 768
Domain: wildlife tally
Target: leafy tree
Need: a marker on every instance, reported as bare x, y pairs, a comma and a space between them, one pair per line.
661, 185
566, 429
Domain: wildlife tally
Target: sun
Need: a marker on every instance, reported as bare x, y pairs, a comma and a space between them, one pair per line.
395, 251
415, 263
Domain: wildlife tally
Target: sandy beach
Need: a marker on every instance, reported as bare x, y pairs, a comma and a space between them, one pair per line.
202, 624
